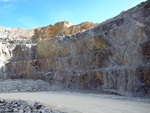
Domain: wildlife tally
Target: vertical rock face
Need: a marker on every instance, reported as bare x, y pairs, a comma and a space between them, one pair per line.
114, 55
18, 48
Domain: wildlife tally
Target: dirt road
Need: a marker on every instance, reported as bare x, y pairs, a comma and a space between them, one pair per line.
71, 102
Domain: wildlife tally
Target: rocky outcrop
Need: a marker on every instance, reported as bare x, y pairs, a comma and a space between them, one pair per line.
15, 35
61, 29
113, 56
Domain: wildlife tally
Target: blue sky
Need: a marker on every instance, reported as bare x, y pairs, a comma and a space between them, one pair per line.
37, 13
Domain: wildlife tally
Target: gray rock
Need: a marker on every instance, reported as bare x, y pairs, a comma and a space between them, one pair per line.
23, 85
20, 106
2, 102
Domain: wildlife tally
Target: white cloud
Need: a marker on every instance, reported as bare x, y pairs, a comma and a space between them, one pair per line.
6, 9
9, 6
7, 0
12, 0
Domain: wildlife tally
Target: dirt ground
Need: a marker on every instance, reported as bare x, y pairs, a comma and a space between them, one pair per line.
72, 102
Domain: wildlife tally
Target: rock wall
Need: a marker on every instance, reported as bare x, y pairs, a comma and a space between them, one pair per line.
18, 48
113, 56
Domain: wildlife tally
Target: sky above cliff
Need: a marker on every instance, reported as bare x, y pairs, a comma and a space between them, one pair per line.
36, 13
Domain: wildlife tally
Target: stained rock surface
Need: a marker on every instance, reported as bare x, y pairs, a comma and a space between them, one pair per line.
112, 56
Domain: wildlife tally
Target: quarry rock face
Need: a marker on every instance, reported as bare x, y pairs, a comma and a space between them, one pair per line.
112, 56
18, 48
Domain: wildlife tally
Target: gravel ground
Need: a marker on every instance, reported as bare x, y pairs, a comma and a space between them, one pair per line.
68, 102
23, 85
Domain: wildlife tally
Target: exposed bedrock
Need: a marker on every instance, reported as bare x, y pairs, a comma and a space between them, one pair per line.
114, 55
